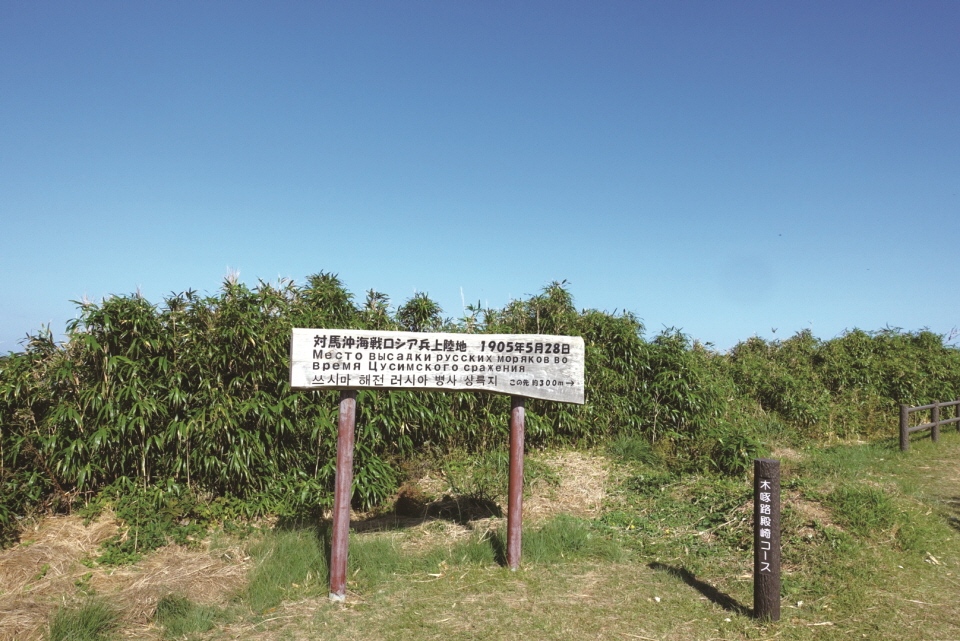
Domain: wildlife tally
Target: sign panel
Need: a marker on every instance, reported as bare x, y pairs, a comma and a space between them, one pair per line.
530, 365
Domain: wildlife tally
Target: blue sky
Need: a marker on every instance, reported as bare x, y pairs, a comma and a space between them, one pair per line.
722, 167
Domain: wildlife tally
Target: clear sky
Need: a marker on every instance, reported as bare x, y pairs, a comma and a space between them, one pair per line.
725, 168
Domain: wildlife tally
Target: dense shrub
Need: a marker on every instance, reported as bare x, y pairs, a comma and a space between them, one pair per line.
192, 396
849, 386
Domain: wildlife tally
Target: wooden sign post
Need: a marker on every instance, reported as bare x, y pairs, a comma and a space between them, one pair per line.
521, 365
342, 494
515, 487
766, 539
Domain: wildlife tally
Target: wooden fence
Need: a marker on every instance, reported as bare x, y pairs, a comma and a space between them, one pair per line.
933, 425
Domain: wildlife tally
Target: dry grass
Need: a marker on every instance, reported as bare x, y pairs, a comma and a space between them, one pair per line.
41, 570
811, 511
581, 491
45, 571
55, 543
785, 454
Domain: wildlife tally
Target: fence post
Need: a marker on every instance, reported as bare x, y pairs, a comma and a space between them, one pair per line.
904, 434
935, 415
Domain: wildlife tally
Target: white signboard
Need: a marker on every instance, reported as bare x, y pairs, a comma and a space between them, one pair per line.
531, 365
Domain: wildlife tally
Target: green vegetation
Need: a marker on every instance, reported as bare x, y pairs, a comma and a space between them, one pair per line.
287, 563
153, 517
92, 620
567, 539
670, 558
292, 564
179, 418
871, 550
185, 406
180, 617
863, 510
486, 477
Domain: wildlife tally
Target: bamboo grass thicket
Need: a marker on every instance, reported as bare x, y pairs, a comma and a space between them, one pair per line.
192, 396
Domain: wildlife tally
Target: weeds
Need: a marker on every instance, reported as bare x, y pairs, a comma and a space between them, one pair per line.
153, 518
486, 477
866, 511
92, 620
633, 449
179, 617
565, 538
287, 563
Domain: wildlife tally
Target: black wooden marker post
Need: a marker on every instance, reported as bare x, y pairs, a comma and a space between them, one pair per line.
766, 539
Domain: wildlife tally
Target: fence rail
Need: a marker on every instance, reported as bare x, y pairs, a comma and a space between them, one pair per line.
933, 425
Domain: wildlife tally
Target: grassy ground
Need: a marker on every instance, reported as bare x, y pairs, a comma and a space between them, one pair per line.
871, 550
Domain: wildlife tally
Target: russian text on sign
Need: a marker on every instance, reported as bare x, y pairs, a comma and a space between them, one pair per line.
539, 366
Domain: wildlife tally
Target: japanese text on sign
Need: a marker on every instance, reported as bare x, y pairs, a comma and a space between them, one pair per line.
531, 365
765, 534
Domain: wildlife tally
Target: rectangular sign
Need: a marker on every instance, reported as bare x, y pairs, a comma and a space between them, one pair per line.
530, 365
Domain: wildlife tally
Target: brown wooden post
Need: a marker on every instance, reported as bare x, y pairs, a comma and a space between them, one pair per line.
342, 494
766, 539
515, 489
935, 419
904, 430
